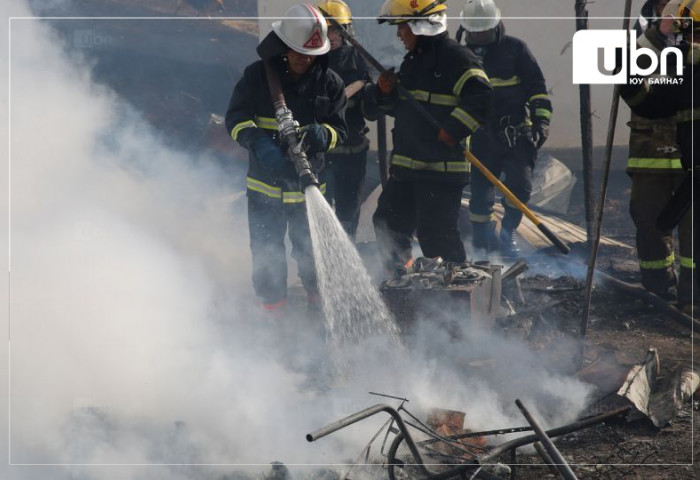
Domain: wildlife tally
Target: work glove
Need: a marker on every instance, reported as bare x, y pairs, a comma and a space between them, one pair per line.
540, 132
446, 138
387, 81
316, 138
268, 154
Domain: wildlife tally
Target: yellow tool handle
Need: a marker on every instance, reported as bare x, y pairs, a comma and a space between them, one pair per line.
564, 248
504, 190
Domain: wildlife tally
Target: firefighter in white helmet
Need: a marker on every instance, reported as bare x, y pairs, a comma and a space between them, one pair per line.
428, 171
346, 164
297, 49
518, 122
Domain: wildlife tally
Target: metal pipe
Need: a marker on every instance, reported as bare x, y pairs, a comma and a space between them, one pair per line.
555, 432
547, 459
552, 450
368, 412
420, 463
663, 306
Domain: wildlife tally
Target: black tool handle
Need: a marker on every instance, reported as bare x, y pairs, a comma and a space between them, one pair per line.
564, 248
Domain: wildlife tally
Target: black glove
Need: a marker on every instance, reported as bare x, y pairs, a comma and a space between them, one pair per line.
267, 152
316, 138
540, 132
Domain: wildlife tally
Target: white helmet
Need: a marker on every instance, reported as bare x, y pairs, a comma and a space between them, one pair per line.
480, 15
304, 30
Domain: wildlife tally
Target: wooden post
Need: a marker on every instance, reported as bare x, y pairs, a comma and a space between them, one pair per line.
586, 131
603, 191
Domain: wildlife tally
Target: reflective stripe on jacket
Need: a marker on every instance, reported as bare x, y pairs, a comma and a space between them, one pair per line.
272, 191
318, 97
519, 87
662, 100
449, 83
652, 146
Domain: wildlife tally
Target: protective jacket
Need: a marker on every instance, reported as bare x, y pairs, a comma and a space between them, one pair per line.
675, 98
653, 146
351, 67
449, 82
317, 97
519, 89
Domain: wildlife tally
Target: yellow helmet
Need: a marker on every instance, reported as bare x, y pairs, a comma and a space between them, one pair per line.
686, 13
336, 9
399, 11
689, 15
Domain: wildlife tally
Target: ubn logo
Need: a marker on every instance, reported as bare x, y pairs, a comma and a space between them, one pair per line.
602, 57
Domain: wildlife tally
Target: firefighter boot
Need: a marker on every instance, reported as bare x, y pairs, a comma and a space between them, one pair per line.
274, 311
509, 244
484, 236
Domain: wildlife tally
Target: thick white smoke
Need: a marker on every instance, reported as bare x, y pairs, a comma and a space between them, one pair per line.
134, 335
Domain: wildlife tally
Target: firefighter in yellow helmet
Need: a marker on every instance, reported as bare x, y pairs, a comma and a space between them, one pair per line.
346, 164
654, 166
663, 99
427, 172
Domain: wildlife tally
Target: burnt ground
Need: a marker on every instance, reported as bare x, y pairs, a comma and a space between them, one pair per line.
177, 75
620, 325
625, 328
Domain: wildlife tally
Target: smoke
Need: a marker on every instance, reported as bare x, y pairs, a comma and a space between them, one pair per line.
134, 335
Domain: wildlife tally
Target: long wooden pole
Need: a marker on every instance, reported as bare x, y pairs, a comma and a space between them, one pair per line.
603, 191
585, 115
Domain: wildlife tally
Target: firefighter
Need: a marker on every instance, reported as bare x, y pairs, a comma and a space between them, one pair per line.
297, 49
654, 166
517, 126
346, 164
676, 100
428, 171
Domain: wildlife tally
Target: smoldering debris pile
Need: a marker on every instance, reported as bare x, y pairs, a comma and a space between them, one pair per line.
457, 297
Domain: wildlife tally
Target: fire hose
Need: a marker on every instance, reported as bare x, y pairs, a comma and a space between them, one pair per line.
289, 130
512, 199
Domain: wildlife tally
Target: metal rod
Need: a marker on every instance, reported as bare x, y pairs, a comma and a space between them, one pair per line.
552, 450
485, 433
419, 462
603, 192
368, 412
403, 399
663, 306
547, 459
555, 432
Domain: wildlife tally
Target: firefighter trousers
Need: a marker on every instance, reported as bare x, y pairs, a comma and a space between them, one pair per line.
345, 177
655, 248
269, 221
517, 165
427, 208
